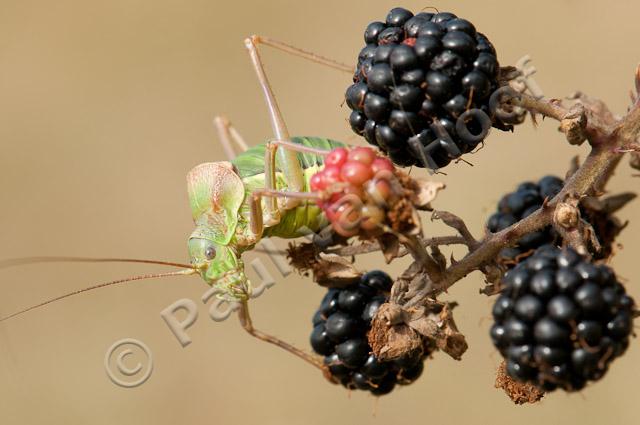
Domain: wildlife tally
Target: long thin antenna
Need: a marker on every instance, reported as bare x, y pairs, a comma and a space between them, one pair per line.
185, 272
13, 262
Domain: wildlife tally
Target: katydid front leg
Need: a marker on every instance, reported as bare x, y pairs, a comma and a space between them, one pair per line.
286, 155
256, 222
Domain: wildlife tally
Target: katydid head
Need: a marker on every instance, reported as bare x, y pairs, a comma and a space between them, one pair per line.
216, 193
219, 265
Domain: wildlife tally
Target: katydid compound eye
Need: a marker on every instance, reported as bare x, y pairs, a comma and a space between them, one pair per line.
210, 253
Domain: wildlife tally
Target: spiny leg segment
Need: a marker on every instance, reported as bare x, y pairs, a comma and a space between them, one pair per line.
255, 209
296, 51
287, 158
289, 164
255, 205
247, 324
226, 131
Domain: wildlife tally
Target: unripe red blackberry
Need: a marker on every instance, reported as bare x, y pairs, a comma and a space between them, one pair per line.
356, 188
422, 87
560, 320
340, 334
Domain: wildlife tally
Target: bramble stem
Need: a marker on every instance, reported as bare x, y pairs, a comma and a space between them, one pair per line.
420, 254
587, 120
545, 107
367, 247
589, 179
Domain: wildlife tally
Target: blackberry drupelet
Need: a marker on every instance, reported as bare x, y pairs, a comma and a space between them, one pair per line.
561, 320
416, 79
340, 334
517, 205
528, 198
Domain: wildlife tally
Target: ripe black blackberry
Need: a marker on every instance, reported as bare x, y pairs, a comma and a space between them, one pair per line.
340, 334
415, 77
561, 320
528, 198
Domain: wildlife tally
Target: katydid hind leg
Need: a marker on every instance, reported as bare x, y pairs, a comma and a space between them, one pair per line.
301, 148
287, 160
277, 122
301, 53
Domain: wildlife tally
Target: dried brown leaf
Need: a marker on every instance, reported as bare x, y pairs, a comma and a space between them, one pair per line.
424, 192
389, 246
615, 203
518, 392
334, 271
508, 73
302, 256
389, 337
413, 281
441, 329
599, 214
493, 277
593, 203
404, 218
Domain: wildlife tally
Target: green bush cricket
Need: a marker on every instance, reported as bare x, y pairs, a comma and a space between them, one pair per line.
226, 200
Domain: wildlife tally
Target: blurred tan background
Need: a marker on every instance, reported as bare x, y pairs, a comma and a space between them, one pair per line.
105, 106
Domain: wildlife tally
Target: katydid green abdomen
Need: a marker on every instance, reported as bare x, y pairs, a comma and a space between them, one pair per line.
297, 221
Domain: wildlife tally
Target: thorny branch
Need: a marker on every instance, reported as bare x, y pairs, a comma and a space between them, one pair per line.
602, 130
586, 120
456, 222
413, 313
373, 246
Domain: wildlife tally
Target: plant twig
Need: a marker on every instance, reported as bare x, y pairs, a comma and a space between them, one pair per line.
457, 223
604, 134
548, 108
420, 254
368, 247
